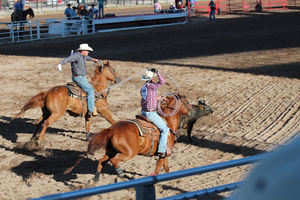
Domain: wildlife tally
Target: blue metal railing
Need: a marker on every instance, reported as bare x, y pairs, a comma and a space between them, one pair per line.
145, 186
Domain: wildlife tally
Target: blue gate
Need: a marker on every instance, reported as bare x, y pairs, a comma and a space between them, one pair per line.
145, 186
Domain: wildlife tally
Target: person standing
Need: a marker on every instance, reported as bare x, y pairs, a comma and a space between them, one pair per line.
18, 11
79, 73
157, 7
192, 4
212, 12
149, 107
68, 11
92, 11
101, 8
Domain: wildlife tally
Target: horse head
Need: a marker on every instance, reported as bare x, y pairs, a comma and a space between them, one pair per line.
173, 107
106, 70
175, 104
29, 12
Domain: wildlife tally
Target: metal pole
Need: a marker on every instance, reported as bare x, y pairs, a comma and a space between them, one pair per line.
145, 192
38, 29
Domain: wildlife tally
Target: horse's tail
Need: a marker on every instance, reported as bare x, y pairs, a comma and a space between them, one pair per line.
35, 102
97, 141
76, 163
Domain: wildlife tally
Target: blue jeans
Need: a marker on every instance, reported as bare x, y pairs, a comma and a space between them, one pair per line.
163, 128
85, 85
212, 13
101, 11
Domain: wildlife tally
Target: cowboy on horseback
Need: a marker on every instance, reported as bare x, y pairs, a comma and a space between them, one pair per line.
149, 107
79, 72
18, 11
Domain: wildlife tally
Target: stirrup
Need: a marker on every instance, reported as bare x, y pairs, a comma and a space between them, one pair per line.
162, 155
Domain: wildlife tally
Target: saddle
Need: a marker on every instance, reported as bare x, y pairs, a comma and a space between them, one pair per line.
149, 130
75, 91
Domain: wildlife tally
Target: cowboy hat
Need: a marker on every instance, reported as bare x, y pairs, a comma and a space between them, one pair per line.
148, 75
84, 47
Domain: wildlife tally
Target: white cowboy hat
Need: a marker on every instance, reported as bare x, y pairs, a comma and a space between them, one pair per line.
148, 75
84, 47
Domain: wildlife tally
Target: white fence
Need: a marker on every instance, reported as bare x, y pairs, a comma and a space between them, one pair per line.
63, 27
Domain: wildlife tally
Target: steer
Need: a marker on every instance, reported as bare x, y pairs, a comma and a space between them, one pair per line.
199, 110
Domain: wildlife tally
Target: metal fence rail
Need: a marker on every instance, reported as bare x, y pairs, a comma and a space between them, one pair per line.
145, 186
63, 27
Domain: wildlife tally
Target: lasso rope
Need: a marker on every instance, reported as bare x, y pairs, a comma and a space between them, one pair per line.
123, 82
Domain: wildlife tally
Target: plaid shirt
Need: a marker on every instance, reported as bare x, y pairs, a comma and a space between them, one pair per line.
149, 102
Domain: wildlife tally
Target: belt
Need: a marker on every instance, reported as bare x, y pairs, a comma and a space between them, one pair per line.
148, 110
75, 75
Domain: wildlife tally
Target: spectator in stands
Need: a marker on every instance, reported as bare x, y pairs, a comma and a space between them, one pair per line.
73, 12
68, 11
92, 11
101, 8
157, 7
83, 11
23, 4
192, 2
172, 7
179, 6
212, 12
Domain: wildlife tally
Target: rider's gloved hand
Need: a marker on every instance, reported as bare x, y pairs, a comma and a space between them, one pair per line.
59, 67
95, 60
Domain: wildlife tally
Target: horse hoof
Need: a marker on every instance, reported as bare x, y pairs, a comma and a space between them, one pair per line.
96, 177
31, 145
87, 138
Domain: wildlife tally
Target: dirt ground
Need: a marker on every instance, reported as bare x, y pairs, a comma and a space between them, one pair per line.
246, 67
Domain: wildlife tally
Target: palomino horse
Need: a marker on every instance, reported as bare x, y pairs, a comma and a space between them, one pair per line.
21, 16
56, 101
123, 141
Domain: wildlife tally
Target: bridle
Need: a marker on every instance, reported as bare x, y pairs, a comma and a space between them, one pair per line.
101, 69
176, 109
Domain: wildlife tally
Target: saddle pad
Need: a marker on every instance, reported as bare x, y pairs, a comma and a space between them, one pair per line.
75, 90
146, 129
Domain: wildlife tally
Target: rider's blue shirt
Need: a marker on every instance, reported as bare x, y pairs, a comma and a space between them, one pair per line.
18, 6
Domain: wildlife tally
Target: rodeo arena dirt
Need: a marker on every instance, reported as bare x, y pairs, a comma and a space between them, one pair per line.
245, 66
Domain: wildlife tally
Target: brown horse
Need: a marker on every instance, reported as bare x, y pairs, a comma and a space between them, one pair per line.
123, 141
56, 101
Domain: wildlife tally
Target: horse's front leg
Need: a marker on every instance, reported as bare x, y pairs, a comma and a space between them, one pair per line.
159, 165
87, 127
166, 165
103, 110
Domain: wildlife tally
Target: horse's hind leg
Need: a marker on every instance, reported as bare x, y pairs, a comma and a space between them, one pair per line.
99, 167
121, 157
53, 117
38, 125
